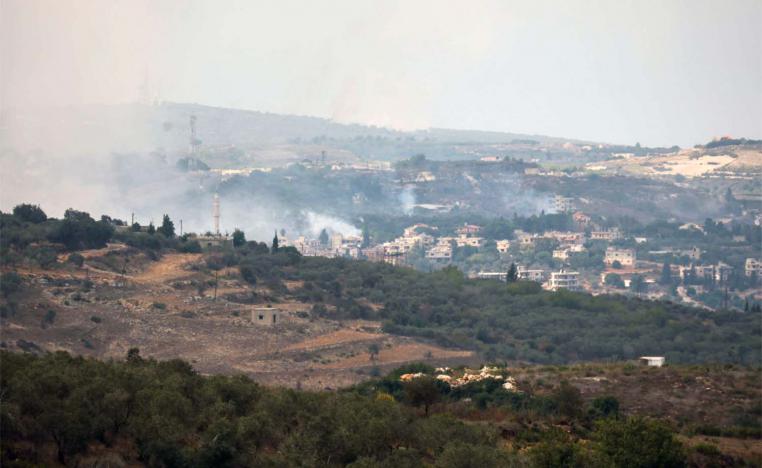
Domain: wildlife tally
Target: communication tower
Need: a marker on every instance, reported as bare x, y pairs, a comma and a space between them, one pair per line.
216, 214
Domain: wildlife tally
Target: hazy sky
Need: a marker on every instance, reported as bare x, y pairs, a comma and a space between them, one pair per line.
658, 72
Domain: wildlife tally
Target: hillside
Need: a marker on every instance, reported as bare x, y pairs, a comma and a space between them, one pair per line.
65, 289
60, 410
733, 161
127, 127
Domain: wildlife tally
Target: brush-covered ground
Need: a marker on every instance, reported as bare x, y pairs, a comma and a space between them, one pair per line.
60, 410
167, 308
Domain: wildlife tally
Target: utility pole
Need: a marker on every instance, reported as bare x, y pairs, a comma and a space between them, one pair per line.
216, 281
181, 228
132, 218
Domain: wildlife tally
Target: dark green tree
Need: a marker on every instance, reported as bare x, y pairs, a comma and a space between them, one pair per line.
10, 283
323, 238
666, 275
612, 279
167, 227
151, 228
365, 235
638, 443
513, 274
29, 213
569, 400
239, 238
422, 391
275, 243
637, 284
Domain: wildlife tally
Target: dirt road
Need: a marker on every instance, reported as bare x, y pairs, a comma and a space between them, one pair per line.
170, 267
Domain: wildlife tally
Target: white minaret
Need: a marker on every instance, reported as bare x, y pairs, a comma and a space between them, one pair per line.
216, 214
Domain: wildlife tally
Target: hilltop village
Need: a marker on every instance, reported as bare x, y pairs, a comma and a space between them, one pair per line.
589, 257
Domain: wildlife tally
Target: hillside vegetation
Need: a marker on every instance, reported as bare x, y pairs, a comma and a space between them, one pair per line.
517, 321
59, 409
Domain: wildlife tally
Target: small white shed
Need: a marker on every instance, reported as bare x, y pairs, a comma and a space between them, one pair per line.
652, 361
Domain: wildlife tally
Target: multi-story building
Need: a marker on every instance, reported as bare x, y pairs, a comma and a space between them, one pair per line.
563, 280
625, 257
563, 204
503, 245
561, 254
565, 238
336, 240
526, 240
752, 266
526, 274
468, 230
441, 253
606, 234
463, 241
720, 272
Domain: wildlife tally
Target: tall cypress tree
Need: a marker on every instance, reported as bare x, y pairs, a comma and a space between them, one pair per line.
513, 274
275, 243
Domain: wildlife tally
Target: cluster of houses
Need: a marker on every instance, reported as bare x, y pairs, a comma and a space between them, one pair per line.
439, 250
459, 378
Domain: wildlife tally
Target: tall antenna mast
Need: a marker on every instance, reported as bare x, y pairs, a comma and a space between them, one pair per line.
192, 138
216, 214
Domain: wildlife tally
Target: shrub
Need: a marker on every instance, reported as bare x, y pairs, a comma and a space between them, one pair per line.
638, 442
10, 283
76, 260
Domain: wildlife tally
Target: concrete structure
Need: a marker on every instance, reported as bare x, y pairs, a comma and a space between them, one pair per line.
440, 253
561, 254
265, 316
565, 238
463, 241
425, 176
468, 229
500, 276
503, 246
720, 272
336, 240
652, 361
563, 204
207, 241
752, 266
693, 254
606, 234
581, 219
526, 274
563, 280
625, 257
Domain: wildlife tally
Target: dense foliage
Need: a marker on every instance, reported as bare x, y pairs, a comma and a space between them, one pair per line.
29, 235
165, 414
512, 321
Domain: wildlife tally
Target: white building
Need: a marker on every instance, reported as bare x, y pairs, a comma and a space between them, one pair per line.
563, 280
606, 234
500, 276
563, 204
652, 361
526, 274
753, 265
